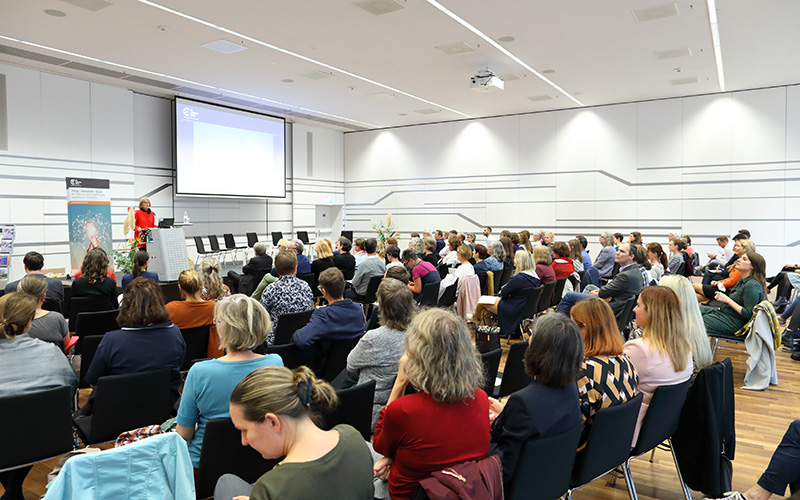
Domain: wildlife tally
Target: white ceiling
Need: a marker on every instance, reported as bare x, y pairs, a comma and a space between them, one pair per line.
597, 49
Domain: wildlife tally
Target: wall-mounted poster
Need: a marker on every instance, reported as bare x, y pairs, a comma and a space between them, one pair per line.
8, 232
89, 215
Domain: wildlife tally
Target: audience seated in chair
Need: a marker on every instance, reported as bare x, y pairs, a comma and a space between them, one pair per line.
94, 280
720, 257
340, 319
604, 263
372, 265
658, 261
451, 257
193, 311
324, 259
562, 264
140, 261
457, 275
737, 307
48, 326
303, 264
275, 408
548, 406
721, 272
213, 287
692, 320
663, 355
376, 355
430, 255
642, 263
608, 376
543, 260
33, 262
706, 292
252, 272
508, 249
342, 258
243, 325
422, 273
497, 255
480, 254
509, 306
286, 295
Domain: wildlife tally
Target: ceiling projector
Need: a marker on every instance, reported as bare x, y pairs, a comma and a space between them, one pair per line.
485, 81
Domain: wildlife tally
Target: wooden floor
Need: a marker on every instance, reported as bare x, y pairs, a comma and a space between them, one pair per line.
761, 420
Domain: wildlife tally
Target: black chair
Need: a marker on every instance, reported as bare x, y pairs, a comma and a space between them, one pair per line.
354, 408
303, 236
125, 402
40, 427
546, 298
222, 453
48, 304
94, 323
200, 248
308, 278
171, 291
429, 295
348, 235
276, 237
483, 284
608, 444
625, 314
558, 291
681, 269
448, 297
659, 425
79, 305
252, 239
498, 278
196, 340
90, 344
491, 362
443, 269
215, 248
505, 277
294, 356
371, 295
514, 376
336, 358
545, 466
576, 283
531, 309
290, 323
230, 245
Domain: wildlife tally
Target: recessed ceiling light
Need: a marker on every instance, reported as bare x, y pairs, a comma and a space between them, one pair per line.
55, 13
92, 5
538, 98
506, 39
684, 81
317, 75
427, 111
381, 96
455, 49
577, 93
402, 114
225, 46
654, 13
379, 7
548, 72
672, 54
287, 80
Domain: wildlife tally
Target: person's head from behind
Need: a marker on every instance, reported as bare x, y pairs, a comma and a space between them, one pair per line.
242, 324
508, 248
658, 312
331, 281
430, 244
396, 304
523, 261
211, 279
583, 241
190, 282
416, 245
464, 253
561, 249
33, 261
441, 359
359, 244
283, 244
286, 263
598, 327
393, 253
453, 242
555, 351
323, 249
260, 249
541, 255
683, 290
140, 260
398, 273
745, 233
34, 285
498, 251
17, 310
95, 266
142, 304
371, 246
344, 245
297, 247
639, 254
481, 253
743, 246
269, 405
656, 252
575, 250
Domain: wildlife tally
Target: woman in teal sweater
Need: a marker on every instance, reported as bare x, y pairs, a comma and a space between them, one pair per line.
738, 306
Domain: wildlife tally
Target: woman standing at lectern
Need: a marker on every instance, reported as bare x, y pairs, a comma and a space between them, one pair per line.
144, 219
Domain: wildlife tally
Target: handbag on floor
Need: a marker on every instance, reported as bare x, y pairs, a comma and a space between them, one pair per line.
487, 338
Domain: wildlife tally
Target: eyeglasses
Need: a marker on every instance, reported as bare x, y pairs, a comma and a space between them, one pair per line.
319, 287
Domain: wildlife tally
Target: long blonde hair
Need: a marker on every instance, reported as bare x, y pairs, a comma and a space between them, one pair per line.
212, 279
692, 319
664, 328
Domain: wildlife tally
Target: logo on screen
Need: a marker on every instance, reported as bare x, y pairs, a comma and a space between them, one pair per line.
74, 182
190, 113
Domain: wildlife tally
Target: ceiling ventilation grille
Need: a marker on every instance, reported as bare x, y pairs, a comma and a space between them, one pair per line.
33, 56
94, 69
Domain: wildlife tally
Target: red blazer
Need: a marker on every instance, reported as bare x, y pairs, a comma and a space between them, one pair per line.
144, 220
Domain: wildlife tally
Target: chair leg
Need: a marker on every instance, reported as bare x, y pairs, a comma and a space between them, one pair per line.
652, 454
686, 492
629, 480
714, 348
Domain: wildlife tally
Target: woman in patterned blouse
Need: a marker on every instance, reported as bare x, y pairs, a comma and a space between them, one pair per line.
609, 377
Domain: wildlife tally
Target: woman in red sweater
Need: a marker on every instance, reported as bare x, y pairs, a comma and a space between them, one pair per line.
447, 421
144, 218
562, 264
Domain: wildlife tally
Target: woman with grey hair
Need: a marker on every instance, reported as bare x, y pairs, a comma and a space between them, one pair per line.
417, 246
497, 254
605, 259
430, 254
470, 240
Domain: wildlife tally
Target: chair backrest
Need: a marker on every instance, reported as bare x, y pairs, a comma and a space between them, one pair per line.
41, 428
196, 340
171, 291
558, 291
290, 323
443, 269
198, 245
625, 313
662, 416
514, 376
545, 466
491, 362
429, 295
448, 297
222, 453
294, 356
49, 305
609, 441
532, 305
96, 322
252, 239
372, 289
90, 344
303, 236
546, 298
681, 269
354, 408
212, 238
276, 237
498, 278
79, 305
506, 276
482, 282
308, 278
230, 241
129, 401
336, 358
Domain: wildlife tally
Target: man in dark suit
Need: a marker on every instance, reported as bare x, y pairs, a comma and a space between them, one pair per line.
33, 262
343, 260
253, 271
626, 284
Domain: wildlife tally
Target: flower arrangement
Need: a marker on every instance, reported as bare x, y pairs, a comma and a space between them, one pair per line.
123, 258
386, 229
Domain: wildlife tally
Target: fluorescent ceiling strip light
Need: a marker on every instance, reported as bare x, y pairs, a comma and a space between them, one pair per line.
190, 82
295, 54
502, 49
712, 20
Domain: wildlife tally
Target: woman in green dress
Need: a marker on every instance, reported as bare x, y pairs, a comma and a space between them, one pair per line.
737, 307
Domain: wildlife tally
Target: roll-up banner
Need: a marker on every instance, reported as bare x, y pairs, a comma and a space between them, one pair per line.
89, 215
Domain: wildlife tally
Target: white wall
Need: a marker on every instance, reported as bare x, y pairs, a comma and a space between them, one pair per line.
60, 127
705, 166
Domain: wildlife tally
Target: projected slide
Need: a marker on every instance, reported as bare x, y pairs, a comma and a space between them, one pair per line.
227, 152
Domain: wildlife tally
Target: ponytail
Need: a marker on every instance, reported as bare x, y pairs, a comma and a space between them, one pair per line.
140, 260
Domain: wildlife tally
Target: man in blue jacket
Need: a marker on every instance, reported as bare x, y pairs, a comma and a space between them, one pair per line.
340, 319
